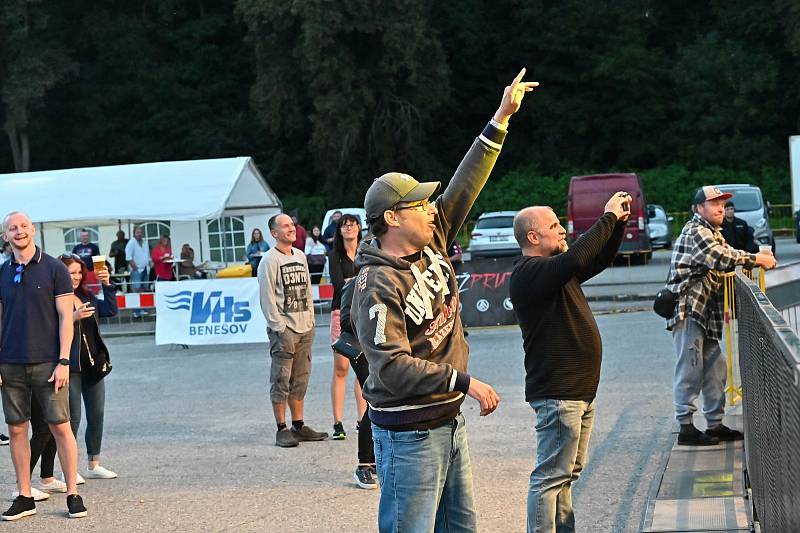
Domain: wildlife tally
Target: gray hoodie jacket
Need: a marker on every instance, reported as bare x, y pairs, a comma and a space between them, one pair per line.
405, 313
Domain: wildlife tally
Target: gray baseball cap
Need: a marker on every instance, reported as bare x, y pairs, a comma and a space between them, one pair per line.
392, 188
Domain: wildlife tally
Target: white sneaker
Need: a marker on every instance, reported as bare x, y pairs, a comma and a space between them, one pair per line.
54, 486
38, 496
78, 481
100, 473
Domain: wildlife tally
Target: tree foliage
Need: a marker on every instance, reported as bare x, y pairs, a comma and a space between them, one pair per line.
327, 95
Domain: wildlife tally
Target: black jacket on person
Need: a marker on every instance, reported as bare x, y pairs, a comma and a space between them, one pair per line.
87, 338
739, 235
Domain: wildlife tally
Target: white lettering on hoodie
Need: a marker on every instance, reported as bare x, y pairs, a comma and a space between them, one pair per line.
427, 288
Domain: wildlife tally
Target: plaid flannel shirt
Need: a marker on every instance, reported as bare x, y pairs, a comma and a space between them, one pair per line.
699, 258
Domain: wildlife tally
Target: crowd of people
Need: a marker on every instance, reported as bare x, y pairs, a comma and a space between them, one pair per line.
395, 321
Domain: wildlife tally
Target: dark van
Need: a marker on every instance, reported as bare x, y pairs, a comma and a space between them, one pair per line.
589, 194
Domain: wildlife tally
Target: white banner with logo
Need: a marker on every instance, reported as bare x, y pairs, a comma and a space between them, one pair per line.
213, 311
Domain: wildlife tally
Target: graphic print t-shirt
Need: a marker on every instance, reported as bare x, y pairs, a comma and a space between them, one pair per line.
285, 290
294, 277
85, 252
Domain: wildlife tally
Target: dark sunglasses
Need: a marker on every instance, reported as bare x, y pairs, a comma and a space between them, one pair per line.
18, 275
70, 256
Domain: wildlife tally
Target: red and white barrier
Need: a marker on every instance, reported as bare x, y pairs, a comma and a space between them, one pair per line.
139, 300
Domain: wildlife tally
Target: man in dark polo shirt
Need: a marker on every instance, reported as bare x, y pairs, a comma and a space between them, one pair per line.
36, 306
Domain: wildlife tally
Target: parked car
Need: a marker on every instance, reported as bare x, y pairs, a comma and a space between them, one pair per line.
751, 207
587, 198
660, 226
493, 235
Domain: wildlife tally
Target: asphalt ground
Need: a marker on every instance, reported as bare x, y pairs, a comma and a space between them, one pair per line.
192, 436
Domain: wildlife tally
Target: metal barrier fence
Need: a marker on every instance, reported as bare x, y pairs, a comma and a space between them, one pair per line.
769, 360
733, 388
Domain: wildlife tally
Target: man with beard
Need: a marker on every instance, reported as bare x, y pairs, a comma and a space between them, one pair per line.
562, 348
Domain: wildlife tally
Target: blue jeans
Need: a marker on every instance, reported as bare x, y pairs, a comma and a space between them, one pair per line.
700, 366
563, 429
425, 478
139, 279
94, 398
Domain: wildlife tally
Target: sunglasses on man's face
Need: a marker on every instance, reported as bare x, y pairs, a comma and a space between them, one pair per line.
18, 275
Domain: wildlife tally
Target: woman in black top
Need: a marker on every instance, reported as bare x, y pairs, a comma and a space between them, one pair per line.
90, 360
342, 268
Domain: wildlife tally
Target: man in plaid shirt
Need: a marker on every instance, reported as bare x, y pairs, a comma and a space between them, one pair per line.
699, 258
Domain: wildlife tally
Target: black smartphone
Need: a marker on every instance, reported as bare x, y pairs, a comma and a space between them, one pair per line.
626, 207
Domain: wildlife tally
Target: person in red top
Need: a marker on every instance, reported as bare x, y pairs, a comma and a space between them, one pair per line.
300, 241
159, 254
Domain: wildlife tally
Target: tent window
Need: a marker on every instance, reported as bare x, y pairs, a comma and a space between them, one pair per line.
72, 237
226, 240
153, 231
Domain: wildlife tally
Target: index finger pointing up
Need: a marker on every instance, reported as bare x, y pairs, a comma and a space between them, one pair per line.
518, 78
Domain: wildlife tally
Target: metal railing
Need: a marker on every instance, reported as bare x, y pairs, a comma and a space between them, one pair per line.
733, 388
769, 361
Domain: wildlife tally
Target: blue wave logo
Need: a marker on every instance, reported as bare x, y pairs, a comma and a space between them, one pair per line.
179, 300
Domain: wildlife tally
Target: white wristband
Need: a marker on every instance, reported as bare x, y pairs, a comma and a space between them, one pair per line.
501, 127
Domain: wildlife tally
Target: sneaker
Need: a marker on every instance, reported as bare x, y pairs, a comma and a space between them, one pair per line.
724, 433
4, 440
37, 495
75, 507
54, 486
78, 480
22, 506
691, 436
99, 472
338, 432
305, 433
285, 438
366, 477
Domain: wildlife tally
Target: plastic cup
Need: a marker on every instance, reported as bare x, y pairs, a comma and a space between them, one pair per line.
99, 262
765, 248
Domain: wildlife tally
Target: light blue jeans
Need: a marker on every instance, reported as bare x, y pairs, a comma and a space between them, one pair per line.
139, 280
426, 479
563, 429
700, 366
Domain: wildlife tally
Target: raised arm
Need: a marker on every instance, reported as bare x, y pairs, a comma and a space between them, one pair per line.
617, 205
471, 175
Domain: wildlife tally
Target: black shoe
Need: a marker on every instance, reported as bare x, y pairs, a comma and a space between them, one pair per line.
724, 433
338, 432
75, 506
691, 436
22, 506
305, 433
366, 477
3, 440
285, 438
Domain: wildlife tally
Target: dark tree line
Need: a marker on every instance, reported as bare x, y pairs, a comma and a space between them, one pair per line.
328, 95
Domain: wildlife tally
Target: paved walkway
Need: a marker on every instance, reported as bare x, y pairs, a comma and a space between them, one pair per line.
192, 436
700, 488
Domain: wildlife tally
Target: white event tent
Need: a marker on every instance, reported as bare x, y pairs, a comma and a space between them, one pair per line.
211, 204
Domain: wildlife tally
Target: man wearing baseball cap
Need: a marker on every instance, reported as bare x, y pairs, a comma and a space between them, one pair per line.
405, 313
699, 258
